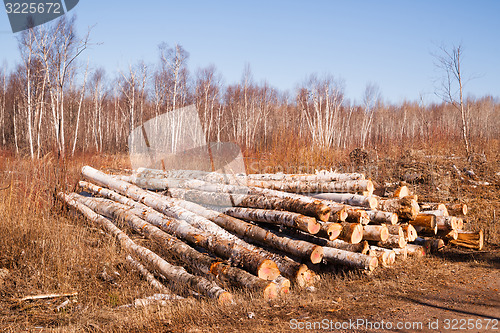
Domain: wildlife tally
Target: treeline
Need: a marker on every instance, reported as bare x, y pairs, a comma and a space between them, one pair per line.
52, 101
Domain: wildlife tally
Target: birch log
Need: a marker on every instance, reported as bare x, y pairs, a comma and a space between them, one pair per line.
406, 208
370, 202
432, 206
380, 217
174, 273
198, 262
147, 275
330, 230
446, 223
351, 232
386, 257
288, 219
350, 259
393, 241
457, 209
347, 186
298, 273
378, 233
395, 230
320, 176
431, 245
409, 232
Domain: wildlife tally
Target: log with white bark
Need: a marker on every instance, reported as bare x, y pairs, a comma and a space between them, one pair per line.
320, 176
426, 206
470, 239
393, 241
409, 232
196, 261
431, 245
457, 209
174, 273
338, 213
406, 207
351, 232
150, 278
330, 230
375, 233
386, 257
297, 272
370, 202
352, 214
347, 186
316, 209
395, 229
288, 219
252, 258
401, 253
446, 223
350, 259
436, 212
361, 247
381, 217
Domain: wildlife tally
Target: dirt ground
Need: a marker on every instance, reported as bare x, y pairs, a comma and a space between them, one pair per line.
454, 290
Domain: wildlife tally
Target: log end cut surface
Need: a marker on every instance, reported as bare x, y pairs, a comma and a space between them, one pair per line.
268, 270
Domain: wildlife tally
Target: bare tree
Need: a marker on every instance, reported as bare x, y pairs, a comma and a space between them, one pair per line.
174, 75
449, 61
370, 100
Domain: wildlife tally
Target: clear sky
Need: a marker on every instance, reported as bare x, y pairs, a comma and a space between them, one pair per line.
385, 42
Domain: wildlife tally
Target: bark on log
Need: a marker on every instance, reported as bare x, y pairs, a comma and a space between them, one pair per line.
349, 199
198, 262
351, 232
401, 192
174, 273
330, 230
393, 241
436, 212
431, 245
288, 219
401, 253
147, 275
415, 250
457, 209
378, 233
347, 186
380, 217
446, 223
426, 231
386, 257
350, 259
292, 270
395, 230
253, 259
425, 206
320, 176
448, 234
406, 208
337, 214
470, 239
460, 223
409, 232
424, 220
361, 247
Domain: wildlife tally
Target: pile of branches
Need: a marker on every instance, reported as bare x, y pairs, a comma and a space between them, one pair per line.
263, 232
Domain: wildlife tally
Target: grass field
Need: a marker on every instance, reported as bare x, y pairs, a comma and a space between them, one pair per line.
44, 249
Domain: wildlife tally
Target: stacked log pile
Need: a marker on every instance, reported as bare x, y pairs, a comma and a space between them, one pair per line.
263, 232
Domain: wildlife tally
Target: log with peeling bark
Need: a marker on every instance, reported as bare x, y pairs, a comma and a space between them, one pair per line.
386, 257
381, 217
378, 233
406, 208
446, 223
457, 209
426, 206
393, 241
288, 219
320, 176
350, 259
346, 186
355, 215
436, 212
338, 213
251, 258
448, 234
297, 272
470, 239
283, 285
317, 209
416, 250
196, 261
330, 230
351, 232
370, 202
431, 245
174, 273
409, 232
395, 229
150, 278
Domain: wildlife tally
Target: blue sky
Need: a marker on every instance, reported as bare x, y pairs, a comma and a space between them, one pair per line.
385, 42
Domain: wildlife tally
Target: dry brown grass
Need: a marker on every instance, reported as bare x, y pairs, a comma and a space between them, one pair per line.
47, 250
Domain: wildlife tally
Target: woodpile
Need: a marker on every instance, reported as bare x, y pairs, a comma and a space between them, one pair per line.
265, 233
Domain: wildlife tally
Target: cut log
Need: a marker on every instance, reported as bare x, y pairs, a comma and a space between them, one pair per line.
457, 209
174, 273
380, 217
401, 253
393, 241
338, 213
470, 239
147, 275
347, 186
436, 212
460, 223
401, 191
350, 259
424, 220
446, 223
426, 206
375, 233
196, 261
395, 230
409, 232
330, 230
426, 231
355, 215
386, 257
349, 199
351, 232
406, 208
448, 234
298, 273
361, 247
431, 245
283, 285
415, 250
320, 176
288, 219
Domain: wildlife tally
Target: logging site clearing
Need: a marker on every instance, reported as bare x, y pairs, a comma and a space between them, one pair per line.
94, 244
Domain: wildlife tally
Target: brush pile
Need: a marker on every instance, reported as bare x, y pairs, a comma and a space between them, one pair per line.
263, 232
